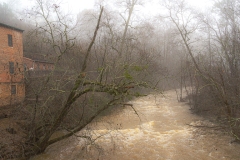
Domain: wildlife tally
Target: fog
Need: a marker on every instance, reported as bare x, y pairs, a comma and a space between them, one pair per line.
91, 59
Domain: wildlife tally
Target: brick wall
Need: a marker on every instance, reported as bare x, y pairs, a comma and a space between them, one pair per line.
37, 65
12, 88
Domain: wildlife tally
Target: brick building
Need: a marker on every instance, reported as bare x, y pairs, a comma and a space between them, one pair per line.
37, 65
12, 89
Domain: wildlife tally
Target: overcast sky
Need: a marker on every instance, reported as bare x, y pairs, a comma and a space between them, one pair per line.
75, 6
72, 5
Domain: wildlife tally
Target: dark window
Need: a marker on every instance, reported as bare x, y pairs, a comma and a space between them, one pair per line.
13, 89
10, 42
11, 67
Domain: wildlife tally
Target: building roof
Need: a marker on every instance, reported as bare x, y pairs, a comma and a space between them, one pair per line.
43, 61
11, 27
35, 60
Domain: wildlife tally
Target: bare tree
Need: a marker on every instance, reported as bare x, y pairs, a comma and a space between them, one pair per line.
62, 94
217, 82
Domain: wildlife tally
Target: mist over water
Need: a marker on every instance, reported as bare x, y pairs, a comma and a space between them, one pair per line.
161, 128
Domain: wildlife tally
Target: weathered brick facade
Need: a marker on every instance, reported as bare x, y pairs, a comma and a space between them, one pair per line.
12, 89
37, 65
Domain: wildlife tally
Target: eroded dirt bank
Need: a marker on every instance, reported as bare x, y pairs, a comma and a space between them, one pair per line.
160, 129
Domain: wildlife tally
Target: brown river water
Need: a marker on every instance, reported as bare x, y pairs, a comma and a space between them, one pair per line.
160, 128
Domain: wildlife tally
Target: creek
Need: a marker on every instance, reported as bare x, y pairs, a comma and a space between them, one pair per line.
158, 128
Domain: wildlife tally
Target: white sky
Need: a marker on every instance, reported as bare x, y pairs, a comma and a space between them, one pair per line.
200, 4
75, 6
72, 5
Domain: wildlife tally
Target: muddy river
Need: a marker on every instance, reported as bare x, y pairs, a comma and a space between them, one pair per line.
159, 128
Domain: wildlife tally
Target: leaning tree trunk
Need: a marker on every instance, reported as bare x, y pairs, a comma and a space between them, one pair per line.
43, 143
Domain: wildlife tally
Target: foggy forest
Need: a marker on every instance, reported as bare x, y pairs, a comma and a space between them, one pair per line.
111, 60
